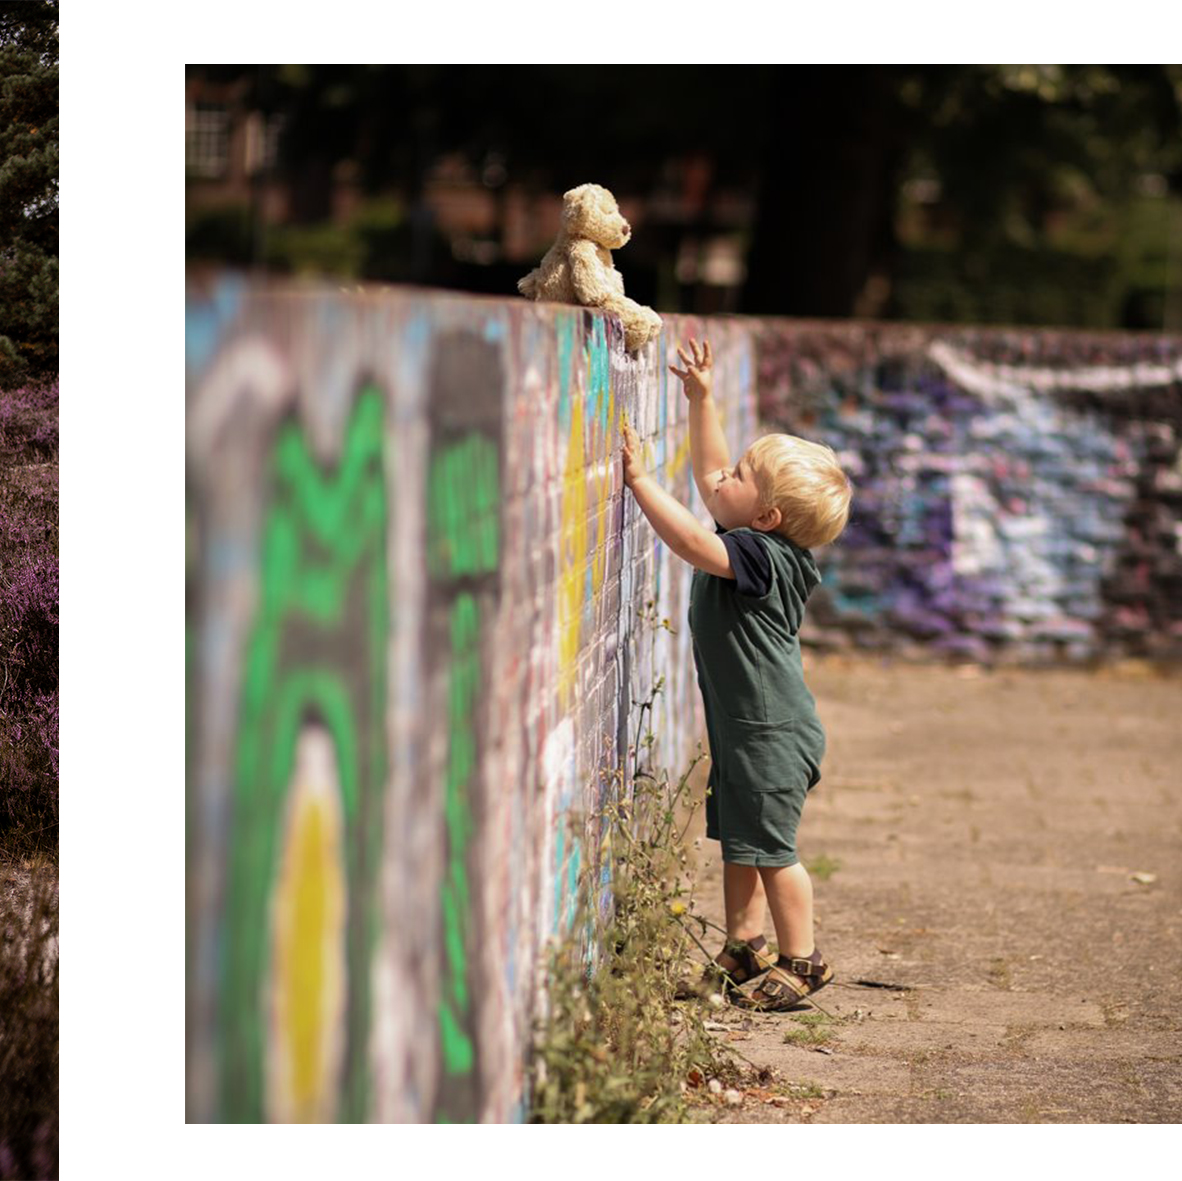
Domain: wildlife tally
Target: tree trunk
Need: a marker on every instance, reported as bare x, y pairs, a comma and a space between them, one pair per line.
826, 197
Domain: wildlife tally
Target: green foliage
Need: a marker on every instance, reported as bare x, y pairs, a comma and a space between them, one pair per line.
809, 1029
1036, 194
614, 1047
28, 190
1030, 174
823, 866
324, 249
28, 311
223, 233
372, 244
1009, 285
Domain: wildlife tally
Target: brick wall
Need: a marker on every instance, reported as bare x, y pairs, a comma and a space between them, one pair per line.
419, 627
417, 638
1018, 492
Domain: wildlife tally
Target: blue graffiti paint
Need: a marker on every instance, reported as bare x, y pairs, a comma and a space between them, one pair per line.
600, 375
980, 513
418, 329
333, 315
565, 325
206, 320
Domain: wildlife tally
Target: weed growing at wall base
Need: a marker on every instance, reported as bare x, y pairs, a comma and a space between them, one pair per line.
614, 1047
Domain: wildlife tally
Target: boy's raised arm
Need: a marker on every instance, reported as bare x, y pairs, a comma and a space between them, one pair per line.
674, 524
708, 449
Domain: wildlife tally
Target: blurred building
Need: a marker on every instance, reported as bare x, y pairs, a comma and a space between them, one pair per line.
689, 235
231, 150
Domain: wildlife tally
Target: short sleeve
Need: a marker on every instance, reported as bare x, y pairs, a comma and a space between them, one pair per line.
750, 562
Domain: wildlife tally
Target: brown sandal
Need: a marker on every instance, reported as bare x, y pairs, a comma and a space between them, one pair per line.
748, 961
788, 984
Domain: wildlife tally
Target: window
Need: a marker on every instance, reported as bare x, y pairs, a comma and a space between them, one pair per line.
207, 140
262, 142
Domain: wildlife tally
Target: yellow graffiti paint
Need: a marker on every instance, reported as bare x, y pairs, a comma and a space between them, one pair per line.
572, 554
308, 974
680, 457
606, 459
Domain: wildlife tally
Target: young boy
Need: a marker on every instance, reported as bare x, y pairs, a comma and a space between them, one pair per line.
751, 580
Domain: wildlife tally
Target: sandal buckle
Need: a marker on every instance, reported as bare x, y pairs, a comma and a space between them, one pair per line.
801, 967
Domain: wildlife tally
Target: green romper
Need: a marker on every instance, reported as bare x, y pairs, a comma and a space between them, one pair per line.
766, 741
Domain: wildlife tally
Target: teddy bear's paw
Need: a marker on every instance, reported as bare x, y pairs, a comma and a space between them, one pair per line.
637, 336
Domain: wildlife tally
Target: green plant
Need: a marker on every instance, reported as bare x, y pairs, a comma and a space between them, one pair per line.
614, 1046
805, 1091
823, 867
322, 249
810, 1029
225, 233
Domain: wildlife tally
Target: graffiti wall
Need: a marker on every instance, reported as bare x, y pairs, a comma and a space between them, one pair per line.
421, 619
1018, 492
418, 630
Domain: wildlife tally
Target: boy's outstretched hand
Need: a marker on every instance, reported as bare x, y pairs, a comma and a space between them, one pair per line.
696, 378
633, 464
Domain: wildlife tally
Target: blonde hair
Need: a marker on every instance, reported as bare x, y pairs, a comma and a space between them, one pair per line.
805, 482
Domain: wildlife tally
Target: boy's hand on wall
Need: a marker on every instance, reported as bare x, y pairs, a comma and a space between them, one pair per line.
633, 464
697, 378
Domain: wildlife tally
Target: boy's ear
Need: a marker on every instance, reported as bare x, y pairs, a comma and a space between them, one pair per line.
768, 520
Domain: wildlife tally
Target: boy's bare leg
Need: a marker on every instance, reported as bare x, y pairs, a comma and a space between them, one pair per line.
746, 908
743, 897
790, 898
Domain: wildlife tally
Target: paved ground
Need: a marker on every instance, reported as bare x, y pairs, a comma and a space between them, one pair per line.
987, 828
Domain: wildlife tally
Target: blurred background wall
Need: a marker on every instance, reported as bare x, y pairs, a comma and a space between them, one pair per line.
1017, 492
1028, 195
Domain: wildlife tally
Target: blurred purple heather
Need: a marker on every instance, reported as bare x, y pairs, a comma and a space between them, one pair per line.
29, 616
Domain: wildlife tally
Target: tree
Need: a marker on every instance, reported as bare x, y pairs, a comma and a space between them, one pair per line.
1003, 194
28, 189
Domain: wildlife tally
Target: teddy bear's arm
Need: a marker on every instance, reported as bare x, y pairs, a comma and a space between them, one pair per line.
591, 285
609, 272
529, 285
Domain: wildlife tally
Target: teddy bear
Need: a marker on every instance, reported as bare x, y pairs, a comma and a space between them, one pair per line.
578, 267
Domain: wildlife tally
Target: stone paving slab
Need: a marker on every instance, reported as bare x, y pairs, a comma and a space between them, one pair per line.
910, 1037
1124, 1045
995, 1006
985, 828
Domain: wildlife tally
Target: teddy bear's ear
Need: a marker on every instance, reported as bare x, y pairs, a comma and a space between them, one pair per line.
575, 206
